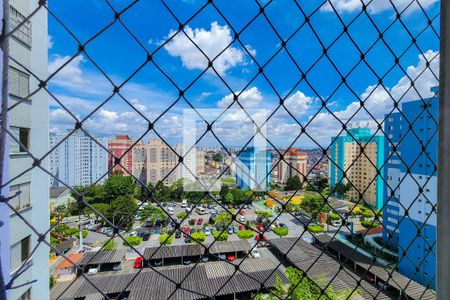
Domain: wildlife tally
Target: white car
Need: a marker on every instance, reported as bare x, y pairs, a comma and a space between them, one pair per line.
336, 223
256, 253
241, 219
93, 270
207, 231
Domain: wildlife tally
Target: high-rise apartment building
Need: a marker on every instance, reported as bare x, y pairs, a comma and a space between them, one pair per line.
253, 169
411, 185
78, 160
120, 148
28, 122
160, 162
293, 164
360, 167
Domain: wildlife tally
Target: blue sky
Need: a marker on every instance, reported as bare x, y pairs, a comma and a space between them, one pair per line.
82, 87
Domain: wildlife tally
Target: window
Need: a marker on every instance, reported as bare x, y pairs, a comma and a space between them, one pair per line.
23, 34
20, 252
23, 199
23, 135
19, 83
26, 295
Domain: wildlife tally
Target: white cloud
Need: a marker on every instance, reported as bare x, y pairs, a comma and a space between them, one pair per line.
71, 75
108, 115
249, 98
211, 42
298, 103
378, 6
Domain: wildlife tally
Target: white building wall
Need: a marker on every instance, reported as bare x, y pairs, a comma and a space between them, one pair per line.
32, 114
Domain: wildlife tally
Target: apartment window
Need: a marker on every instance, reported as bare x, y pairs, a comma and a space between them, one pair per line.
20, 252
26, 295
23, 34
19, 83
23, 135
23, 199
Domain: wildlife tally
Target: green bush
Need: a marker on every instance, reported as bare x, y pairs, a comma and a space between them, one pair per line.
370, 224
245, 234
367, 214
132, 240
70, 231
315, 228
191, 222
198, 237
222, 237
85, 234
281, 231
333, 217
181, 215
165, 239
52, 281
109, 245
61, 228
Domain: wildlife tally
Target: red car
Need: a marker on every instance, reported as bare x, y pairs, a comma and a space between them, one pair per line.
231, 257
241, 227
138, 262
258, 238
200, 221
370, 277
260, 228
186, 231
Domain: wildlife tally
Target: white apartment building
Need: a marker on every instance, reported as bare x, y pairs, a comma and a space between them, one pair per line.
28, 122
78, 160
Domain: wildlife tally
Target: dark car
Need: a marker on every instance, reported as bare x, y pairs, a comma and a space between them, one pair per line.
211, 220
200, 221
283, 225
156, 263
187, 239
177, 234
145, 236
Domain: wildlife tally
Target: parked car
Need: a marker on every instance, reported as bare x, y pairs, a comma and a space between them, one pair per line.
117, 266
336, 223
258, 238
241, 226
207, 231
186, 230
260, 228
241, 219
187, 262
145, 236
235, 229
245, 206
205, 258
255, 253
200, 221
221, 257
138, 262
187, 239
193, 230
177, 234
93, 270
283, 225
230, 230
156, 263
231, 257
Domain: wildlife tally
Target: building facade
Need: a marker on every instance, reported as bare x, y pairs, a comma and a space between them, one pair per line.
360, 168
120, 147
415, 192
161, 160
293, 164
28, 123
253, 169
78, 160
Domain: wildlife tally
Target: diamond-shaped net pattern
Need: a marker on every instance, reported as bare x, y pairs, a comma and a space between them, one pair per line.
330, 268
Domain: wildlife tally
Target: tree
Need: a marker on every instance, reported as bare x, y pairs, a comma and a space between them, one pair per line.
117, 186
70, 231
263, 215
239, 196
224, 189
313, 203
223, 219
293, 183
217, 157
182, 215
281, 231
339, 189
153, 213
85, 234
198, 237
176, 190
322, 183
229, 198
333, 217
165, 239
132, 241
245, 234
370, 224
109, 245
161, 192
220, 235
121, 210
102, 208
